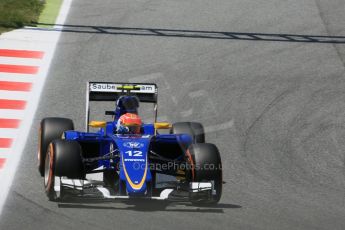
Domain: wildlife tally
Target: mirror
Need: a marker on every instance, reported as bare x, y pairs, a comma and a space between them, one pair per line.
162, 125
98, 124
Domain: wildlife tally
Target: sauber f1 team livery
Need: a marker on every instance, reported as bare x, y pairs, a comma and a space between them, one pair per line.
129, 155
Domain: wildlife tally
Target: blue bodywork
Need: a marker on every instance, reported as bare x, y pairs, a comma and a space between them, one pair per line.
129, 154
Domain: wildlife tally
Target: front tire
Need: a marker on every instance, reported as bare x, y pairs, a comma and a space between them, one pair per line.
204, 165
49, 173
63, 159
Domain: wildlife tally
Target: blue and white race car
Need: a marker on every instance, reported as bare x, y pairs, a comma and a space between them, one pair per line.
128, 164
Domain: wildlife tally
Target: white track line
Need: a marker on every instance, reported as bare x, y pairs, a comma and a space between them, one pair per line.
14, 95
12, 114
17, 77
9, 133
5, 153
20, 61
24, 39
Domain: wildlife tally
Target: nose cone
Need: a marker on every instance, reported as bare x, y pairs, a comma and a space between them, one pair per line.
134, 166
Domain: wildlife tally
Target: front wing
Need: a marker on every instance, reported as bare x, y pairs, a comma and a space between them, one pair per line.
96, 189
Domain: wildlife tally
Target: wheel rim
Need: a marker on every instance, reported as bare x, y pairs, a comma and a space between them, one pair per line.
39, 153
47, 168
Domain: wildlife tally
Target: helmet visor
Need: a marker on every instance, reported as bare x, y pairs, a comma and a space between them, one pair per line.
133, 129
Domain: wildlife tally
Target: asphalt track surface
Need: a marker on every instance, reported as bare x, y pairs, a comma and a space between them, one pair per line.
273, 104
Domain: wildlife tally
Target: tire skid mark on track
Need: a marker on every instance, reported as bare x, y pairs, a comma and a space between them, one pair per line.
50, 211
47, 210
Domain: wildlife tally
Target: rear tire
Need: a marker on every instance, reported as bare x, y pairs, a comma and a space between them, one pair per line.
51, 129
63, 159
204, 165
194, 129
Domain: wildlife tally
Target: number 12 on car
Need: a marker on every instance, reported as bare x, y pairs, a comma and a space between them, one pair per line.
135, 153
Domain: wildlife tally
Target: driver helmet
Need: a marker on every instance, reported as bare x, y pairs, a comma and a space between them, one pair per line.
129, 123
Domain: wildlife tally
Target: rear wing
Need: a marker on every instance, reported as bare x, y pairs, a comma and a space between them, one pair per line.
107, 91
110, 91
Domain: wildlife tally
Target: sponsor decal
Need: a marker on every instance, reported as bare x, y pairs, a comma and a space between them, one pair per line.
134, 160
103, 87
111, 88
147, 88
133, 145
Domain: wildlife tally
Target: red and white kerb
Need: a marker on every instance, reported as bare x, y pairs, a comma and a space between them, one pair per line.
18, 69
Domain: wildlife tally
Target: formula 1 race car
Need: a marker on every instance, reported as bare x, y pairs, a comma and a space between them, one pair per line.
128, 164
